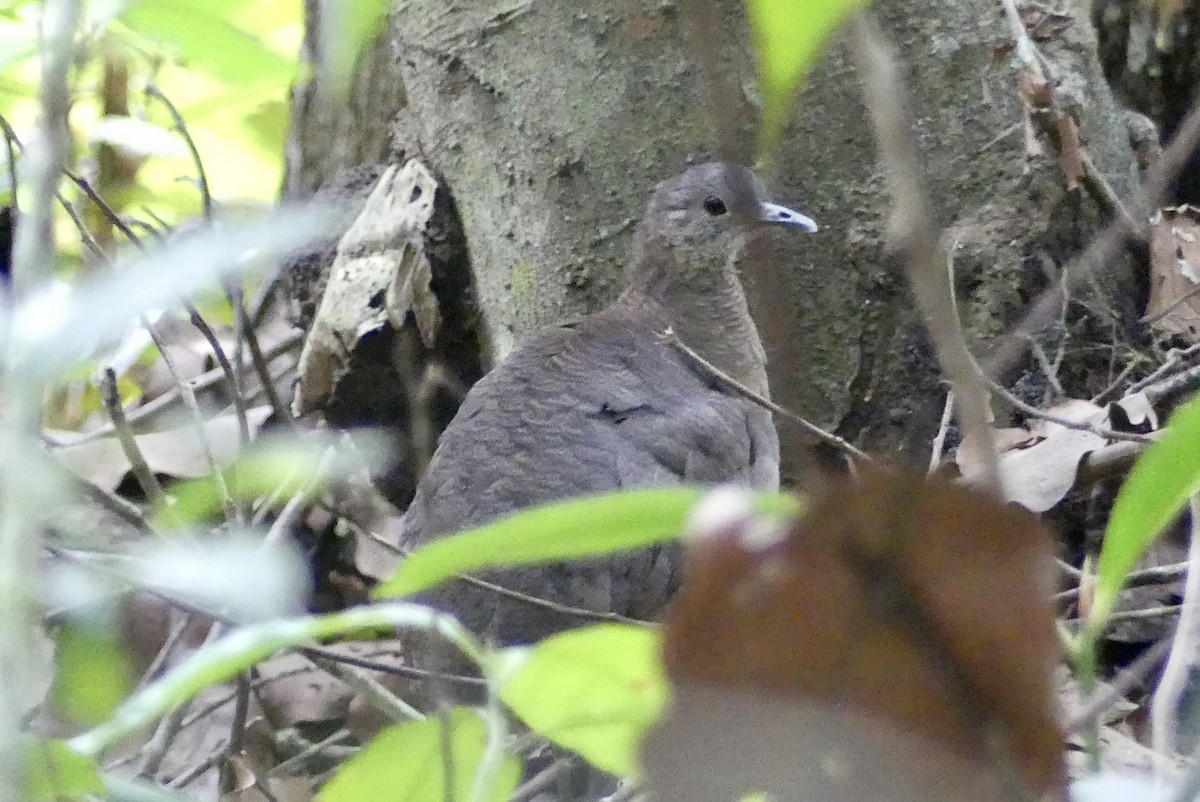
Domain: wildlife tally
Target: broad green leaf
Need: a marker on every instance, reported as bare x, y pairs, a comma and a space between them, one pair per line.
54, 772
408, 760
567, 530
593, 690
208, 40
244, 647
788, 36
92, 672
1154, 494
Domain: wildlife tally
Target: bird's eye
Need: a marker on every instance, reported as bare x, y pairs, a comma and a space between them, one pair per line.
714, 206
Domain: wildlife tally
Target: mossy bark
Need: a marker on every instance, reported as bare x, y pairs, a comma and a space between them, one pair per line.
551, 122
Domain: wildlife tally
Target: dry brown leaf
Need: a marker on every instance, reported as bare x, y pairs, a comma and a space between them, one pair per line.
175, 452
1174, 305
896, 644
1040, 474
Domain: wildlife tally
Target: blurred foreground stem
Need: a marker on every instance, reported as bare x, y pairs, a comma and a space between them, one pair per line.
21, 504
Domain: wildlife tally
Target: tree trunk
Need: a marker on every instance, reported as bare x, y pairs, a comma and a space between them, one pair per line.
551, 123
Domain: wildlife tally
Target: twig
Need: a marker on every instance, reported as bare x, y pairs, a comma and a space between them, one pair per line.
153, 91
11, 142
542, 780
912, 232
939, 441
1175, 359
1032, 61
151, 409
111, 397
714, 373
1066, 423
482, 584
370, 689
1104, 247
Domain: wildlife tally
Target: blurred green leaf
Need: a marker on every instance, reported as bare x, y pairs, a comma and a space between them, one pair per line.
206, 39
92, 672
1154, 494
408, 761
593, 690
788, 36
247, 645
53, 772
346, 27
51, 332
574, 529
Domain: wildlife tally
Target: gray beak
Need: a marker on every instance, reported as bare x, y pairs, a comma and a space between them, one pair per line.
776, 215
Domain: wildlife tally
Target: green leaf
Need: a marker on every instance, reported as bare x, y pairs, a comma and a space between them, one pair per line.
408, 761
92, 672
584, 527
1154, 494
54, 772
788, 36
593, 690
242, 648
206, 39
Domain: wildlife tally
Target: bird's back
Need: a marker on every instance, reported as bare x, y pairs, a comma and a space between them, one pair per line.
597, 406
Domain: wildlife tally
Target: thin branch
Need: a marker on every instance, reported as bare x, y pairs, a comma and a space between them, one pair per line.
913, 233
111, 398
714, 373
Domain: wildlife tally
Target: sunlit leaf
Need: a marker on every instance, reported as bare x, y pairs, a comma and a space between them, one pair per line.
594, 690
788, 36
54, 772
573, 529
248, 645
409, 761
1154, 494
92, 671
206, 39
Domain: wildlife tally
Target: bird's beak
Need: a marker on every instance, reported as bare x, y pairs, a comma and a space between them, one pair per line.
776, 215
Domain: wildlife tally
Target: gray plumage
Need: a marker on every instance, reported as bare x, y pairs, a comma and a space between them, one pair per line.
603, 404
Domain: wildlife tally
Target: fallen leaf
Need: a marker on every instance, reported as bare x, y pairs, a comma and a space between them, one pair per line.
1174, 305
175, 452
895, 644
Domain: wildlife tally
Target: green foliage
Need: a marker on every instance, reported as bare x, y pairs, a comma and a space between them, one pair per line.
788, 36
410, 762
583, 527
246, 646
594, 690
92, 671
1154, 494
53, 772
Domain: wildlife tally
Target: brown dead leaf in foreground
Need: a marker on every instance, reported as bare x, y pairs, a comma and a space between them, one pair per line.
896, 644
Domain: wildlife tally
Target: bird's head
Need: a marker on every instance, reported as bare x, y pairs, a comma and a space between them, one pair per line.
707, 201
699, 213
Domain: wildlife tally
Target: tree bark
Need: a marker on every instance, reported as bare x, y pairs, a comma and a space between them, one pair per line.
551, 122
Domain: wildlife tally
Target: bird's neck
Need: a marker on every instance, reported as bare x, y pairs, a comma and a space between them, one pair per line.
704, 302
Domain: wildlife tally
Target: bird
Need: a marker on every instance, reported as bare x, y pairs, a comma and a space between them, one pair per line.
605, 403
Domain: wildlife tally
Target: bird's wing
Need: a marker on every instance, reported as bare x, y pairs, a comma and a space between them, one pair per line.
585, 410
575, 411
